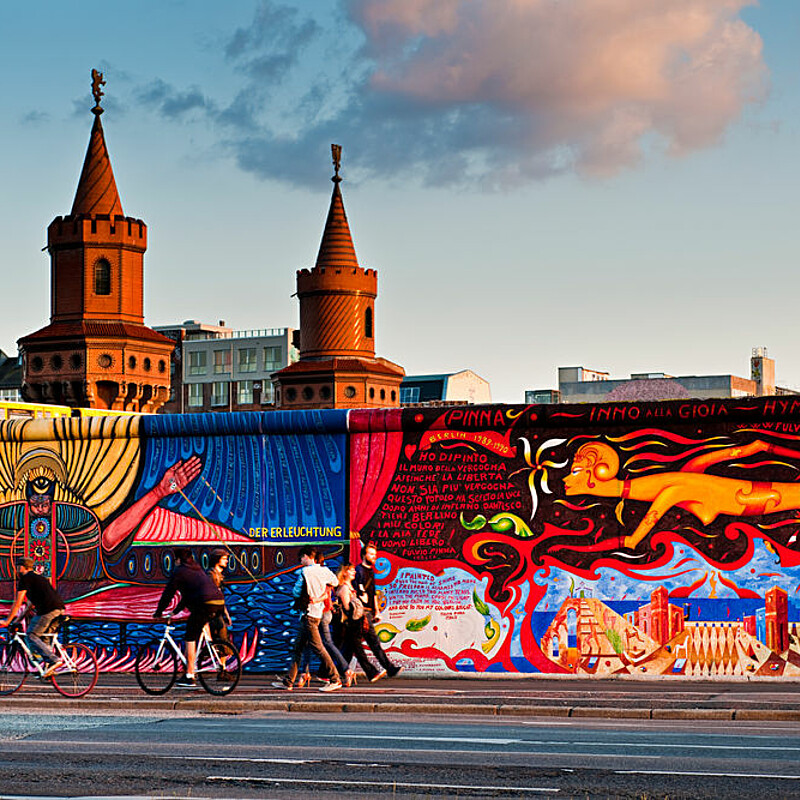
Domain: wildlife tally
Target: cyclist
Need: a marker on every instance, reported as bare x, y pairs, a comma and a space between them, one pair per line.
48, 606
217, 563
203, 599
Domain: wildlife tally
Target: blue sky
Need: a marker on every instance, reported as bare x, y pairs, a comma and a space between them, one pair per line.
539, 183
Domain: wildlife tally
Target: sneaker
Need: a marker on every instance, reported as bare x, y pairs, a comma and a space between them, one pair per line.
393, 673
331, 686
376, 678
51, 670
186, 683
287, 687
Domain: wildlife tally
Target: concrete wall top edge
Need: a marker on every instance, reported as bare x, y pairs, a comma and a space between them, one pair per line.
672, 413
175, 425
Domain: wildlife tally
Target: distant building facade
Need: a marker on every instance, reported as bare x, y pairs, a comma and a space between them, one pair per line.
216, 368
581, 385
10, 378
453, 387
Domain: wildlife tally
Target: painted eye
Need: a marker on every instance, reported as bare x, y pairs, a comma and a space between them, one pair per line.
577, 471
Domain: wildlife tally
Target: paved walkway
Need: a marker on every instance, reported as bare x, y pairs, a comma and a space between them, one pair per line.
754, 699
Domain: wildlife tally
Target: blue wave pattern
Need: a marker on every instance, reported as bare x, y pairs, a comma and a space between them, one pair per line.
263, 609
260, 470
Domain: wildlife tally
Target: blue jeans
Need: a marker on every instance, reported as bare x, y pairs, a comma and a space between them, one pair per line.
39, 625
342, 664
309, 636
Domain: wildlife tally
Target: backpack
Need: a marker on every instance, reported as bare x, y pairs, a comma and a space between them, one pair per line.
302, 600
356, 608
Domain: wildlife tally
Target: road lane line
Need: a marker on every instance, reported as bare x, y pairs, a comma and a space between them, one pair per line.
764, 776
239, 758
387, 784
392, 738
688, 746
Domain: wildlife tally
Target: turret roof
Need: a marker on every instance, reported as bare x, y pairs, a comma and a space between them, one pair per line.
97, 189
336, 248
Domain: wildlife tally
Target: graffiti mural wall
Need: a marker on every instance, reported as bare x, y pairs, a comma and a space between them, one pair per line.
100, 503
614, 539
656, 539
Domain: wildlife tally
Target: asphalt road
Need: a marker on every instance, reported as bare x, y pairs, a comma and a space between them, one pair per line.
278, 755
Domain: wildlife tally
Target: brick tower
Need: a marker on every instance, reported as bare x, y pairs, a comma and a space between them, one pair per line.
96, 352
338, 367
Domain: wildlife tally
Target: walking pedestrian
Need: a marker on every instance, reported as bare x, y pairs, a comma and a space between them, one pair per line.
312, 580
342, 664
365, 590
352, 626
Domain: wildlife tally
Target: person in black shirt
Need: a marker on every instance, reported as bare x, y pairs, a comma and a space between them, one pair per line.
198, 594
365, 590
217, 563
48, 606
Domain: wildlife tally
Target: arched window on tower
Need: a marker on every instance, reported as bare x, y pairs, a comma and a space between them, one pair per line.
102, 277
368, 323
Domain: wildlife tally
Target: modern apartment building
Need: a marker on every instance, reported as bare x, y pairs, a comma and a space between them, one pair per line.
219, 369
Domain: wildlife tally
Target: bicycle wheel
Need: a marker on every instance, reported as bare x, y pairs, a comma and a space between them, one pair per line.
156, 667
78, 673
218, 667
13, 668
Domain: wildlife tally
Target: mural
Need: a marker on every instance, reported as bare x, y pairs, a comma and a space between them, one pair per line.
100, 503
607, 539
630, 538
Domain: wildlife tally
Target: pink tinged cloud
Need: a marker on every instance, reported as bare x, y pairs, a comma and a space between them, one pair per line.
593, 77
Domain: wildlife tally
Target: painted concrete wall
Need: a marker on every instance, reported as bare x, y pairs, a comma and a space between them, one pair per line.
101, 503
649, 538
593, 540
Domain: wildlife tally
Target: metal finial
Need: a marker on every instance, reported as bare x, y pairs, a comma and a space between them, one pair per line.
336, 152
97, 82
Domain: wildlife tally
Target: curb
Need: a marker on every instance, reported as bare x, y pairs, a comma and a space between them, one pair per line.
778, 715
226, 706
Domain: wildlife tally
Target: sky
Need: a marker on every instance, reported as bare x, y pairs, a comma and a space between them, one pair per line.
539, 183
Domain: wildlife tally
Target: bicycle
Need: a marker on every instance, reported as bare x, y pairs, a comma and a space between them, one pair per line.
76, 675
218, 666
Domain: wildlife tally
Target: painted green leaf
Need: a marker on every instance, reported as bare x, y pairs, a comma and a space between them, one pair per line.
385, 635
417, 624
504, 522
477, 522
480, 606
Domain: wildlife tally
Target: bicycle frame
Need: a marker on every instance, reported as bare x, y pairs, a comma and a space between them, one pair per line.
39, 664
203, 642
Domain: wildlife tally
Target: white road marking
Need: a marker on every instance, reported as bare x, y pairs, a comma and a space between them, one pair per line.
395, 784
463, 739
764, 776
239, 758
685, 746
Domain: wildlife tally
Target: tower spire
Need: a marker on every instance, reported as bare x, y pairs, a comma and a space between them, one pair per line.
336, 248
97, 189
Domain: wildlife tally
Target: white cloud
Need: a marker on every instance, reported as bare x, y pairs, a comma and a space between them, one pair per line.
496, 92
593, 76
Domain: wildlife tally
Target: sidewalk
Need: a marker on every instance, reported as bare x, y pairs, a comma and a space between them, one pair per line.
755, 699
